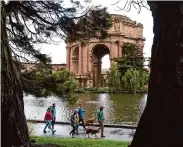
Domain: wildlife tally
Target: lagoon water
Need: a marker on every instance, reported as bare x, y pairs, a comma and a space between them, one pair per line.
118, 108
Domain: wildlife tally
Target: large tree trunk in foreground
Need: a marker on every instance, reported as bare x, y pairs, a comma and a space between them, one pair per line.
14, 128
161, 124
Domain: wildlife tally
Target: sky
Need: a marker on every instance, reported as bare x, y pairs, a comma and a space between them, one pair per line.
58, 52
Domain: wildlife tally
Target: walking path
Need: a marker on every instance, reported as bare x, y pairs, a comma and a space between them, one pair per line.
63, 131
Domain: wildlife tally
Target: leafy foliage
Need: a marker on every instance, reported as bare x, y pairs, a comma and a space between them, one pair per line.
134, 80
92, 90
131, 67
113, 78
29, 23
68, 85
42, 82
33, 22
132, 58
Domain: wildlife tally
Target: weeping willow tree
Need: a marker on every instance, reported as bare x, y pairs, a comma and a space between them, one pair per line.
144, 79
131, 80
113, 78
24, 25
134, 80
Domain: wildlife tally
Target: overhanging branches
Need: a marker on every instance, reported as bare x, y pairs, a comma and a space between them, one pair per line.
137, 4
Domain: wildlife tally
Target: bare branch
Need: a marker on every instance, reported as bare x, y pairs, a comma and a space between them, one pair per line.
18, 56
116, 2
49, 19
137, 4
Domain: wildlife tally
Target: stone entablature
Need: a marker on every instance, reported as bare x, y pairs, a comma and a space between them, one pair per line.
85, 59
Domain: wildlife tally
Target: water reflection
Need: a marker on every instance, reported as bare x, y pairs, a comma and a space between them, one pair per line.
118, 108
105, 101
143, 103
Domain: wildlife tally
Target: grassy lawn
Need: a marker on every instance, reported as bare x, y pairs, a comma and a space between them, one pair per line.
80, 142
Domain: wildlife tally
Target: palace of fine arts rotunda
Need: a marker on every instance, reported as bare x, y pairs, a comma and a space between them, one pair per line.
84, 61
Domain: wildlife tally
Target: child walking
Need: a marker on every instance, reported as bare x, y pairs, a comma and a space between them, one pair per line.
48, 119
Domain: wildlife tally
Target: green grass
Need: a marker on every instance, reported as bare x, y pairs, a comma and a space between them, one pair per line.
80, 142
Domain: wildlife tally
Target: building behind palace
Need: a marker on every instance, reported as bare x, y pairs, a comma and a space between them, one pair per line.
55, 67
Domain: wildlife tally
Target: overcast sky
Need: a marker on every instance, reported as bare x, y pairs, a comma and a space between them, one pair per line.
58, 52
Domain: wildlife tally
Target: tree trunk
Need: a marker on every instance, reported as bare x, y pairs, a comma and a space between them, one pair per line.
161, 124
14, 128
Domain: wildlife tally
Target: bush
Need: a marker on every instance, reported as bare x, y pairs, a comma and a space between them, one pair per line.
113, 78
92, 90
135, 80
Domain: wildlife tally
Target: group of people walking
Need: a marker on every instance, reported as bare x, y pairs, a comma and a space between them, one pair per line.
50, 118
77, 118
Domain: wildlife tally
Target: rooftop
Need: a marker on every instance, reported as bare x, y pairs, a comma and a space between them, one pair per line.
123, 17
126, 19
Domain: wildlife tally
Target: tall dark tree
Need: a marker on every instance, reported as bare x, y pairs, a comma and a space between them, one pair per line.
25, 24
161, 122
14, 127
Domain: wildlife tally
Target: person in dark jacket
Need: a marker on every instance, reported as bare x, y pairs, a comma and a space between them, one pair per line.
48, 120
73, 123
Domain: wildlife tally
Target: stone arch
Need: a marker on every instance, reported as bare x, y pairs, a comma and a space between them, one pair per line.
75, 60
123, 30
94, 45
98, 51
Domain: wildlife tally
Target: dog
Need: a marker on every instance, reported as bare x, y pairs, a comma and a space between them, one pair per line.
90, 121
92, 131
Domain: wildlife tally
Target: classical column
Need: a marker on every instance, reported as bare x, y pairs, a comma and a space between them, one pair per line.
77, 67
95, 74
88, 57
68, 58
90, 62
80, 59
120, 49
114, 51
71, 61
99, 74
84, 59
73, 67
102, 80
